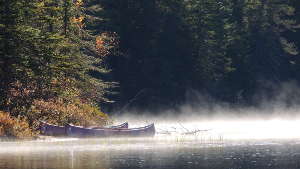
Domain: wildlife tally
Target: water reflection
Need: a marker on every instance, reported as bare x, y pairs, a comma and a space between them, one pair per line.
149, 153
205, 150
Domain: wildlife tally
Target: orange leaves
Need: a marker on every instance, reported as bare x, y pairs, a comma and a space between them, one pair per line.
78, 21
99, 42
106, 42
14, 127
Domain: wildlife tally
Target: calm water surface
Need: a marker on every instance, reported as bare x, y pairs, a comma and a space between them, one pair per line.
158, 153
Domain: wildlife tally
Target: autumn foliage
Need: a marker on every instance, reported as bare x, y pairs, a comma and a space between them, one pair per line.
14, 127
78, 21
47, 55
106, 42
59, 111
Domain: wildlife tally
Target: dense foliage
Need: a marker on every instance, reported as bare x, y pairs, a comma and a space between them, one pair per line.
60, 59
14, 127
46, 59
227, 49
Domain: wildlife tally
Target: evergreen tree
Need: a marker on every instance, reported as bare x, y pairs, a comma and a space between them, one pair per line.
46, 55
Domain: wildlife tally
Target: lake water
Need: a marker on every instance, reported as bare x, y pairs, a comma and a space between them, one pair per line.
150, 153
230, 147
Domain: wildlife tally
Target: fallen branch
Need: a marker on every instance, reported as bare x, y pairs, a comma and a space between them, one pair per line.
194, 132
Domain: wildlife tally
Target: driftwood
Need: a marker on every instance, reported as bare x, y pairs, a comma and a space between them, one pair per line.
186, 132
194, 132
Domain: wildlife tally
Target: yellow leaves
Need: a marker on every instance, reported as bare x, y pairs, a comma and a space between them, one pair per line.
1, 131
40, 4
14, 127
78, 3
78, 21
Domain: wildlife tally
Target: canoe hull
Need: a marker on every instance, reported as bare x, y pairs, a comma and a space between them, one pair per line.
54, 130
75, 131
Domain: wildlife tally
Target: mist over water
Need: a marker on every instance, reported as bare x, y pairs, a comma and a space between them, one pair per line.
275, 115
204, 136
226, 142
181, 142
229, 124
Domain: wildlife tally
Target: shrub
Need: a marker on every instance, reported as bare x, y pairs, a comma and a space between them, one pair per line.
33, 104
14, 127
61, 112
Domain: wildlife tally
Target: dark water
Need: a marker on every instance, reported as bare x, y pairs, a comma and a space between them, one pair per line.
150, 153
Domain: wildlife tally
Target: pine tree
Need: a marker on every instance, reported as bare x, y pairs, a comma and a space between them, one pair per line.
46, 54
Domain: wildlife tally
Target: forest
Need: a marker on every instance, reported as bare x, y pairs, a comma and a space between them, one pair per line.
76, 61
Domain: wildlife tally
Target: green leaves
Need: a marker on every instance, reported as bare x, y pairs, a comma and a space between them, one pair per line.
42, 49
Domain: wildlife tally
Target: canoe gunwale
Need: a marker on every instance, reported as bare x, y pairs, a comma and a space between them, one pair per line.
56, 130
78, 131
121, 129
122, 126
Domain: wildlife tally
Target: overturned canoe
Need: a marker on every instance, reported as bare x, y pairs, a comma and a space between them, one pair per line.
77, 131
55, 130
52, 130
